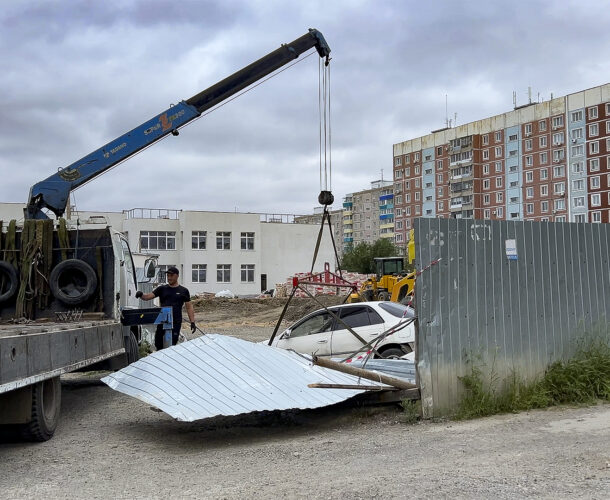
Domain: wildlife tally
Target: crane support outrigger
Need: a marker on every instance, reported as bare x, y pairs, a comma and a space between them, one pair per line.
53, 193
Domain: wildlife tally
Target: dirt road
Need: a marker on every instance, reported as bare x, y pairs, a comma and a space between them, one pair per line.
109, 445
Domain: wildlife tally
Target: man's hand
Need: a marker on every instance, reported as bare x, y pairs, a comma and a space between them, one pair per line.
139, 294
193, 327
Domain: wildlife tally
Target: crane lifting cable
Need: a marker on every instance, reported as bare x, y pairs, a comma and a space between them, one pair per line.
325, 197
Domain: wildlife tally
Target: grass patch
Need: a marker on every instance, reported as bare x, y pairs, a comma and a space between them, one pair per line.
583, 379
412, 410
145, 348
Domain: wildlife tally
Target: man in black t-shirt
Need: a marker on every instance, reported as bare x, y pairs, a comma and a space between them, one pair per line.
176, 296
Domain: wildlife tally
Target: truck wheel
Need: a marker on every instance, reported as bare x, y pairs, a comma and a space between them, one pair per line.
8, 281
72, 281
383, 295
132, 349
46, 403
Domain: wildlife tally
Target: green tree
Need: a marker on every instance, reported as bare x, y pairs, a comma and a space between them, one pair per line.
359, 259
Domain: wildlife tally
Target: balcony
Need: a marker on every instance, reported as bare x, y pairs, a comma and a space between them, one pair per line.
387, 225
347, 204
387, 235
386, 216
386, 197
387, 206
348, 239
347, 213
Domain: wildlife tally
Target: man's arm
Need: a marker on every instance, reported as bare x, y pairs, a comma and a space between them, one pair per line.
145, 296
190, 311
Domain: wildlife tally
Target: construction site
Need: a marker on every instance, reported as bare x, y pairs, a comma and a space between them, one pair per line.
191, 353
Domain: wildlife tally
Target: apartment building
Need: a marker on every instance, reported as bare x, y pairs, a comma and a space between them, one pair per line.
241, 252
368, 215
547, 161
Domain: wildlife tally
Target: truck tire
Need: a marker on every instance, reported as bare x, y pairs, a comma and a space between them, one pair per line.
8, 281
132, 349
46, 403
73, 282
383, 295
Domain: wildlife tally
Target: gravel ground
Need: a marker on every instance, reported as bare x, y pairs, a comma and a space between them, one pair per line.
109, 445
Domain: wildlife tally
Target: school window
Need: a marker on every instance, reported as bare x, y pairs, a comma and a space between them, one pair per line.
247, 273
594, 147
223, 273
594, 182
157, 240
594, 164
198, 240
592, 112
223, 240
544, 174
529, 176
542, 142
199, 273
576, 116
593, 130
247, 241
596, 200
542, 125
596, 216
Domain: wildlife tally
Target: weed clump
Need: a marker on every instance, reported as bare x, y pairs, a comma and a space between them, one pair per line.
582, 379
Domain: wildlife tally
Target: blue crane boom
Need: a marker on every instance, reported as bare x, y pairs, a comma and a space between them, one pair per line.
53, 192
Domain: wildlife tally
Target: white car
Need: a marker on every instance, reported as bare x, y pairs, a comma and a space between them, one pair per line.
322, 334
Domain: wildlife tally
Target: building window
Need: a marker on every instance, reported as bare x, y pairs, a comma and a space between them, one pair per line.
223, 240
199, 273
398, 161
485, 183
439, 151
408, 211
542, 141
247, 241
398, 174
498, 166
440, 191
408, 198
529, 176
223, 273
417, 170
498, 136
486, 169
157, 240
577, 167
544, 190
542, 125
498, 151
498, 182
499, 197
485, 139
439, 165
440, 205
512, 137
594, 164
594, 182
408, 172
528, 129
596, 200
578, 150
558, 155
559, 171
529, 192
596, 216
579, 201
559, 187
544, 206
544, 158
592, 112
247, 273
486, 154
198, 240
529, 207
576, 134
417, 183
528, 144
578, 185
579, 218
487, 213
594, 147
417, 196
529, 160
500, 211
162, 268
544, 174
558, 139
558, 121
486, 199
559, 204
576, 116
417, 210
416, 157
439, 178
407, 159
593, 130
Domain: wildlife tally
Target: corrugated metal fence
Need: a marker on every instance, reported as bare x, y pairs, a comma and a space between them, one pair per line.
509, 296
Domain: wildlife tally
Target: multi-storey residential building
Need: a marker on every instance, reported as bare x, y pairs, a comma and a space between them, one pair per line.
368, 215
242, 252
547, 161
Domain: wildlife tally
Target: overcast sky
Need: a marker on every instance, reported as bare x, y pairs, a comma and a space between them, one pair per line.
77, 74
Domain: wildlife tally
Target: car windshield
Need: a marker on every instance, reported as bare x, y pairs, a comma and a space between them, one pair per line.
398, 310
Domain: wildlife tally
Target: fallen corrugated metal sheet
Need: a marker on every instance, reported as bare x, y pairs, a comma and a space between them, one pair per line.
221, 375
399, 368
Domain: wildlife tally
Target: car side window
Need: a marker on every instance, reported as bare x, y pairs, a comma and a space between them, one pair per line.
374, 317
319, 323
354, 317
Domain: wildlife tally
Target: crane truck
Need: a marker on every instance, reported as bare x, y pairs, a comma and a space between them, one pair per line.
67, 296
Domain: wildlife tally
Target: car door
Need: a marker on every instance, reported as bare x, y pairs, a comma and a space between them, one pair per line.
310, 336
363, 320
